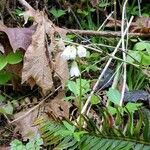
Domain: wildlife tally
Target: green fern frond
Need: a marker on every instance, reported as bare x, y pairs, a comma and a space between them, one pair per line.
88, 141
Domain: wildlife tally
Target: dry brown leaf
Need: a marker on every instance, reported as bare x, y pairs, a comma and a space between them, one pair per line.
19, 37
25, 125
141, 25
36, 64
59, 107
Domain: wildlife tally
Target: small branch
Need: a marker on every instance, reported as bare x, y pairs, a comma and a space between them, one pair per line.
106, 33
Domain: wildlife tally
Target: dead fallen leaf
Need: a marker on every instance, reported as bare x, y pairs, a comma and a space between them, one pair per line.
36, 63
58, 107
19, 37
25, 125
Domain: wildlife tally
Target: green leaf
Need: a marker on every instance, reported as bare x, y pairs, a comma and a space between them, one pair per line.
75, 87
140, 46
145, 59
132, 107
85, 86
147, 45
8, 108
57, 12
17, 145
112, 110
72, 87
114, 96
14, 58
4, 77
134, 54
95, 99
3, 62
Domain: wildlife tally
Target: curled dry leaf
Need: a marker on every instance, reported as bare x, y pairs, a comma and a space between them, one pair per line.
36, 63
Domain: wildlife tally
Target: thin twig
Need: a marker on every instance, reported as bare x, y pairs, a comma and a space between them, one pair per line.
108, 34
124, 54
105, 21
85, 107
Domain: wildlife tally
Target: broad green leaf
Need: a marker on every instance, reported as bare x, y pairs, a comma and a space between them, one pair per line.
134, 54
4, 77
75, 87
14, 58
72, 87
3, 62
148, 48
114, 96
57, 12
140, 46
145, 59
95, 99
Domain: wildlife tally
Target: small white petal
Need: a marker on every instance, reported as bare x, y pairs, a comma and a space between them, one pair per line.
81, 51
73, 52
74, 71
69, 53
65, 54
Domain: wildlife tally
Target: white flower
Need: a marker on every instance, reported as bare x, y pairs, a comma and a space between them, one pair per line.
69, 53
74, 71
81, 51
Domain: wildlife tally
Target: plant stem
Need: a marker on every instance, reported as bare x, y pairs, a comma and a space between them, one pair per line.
80, 105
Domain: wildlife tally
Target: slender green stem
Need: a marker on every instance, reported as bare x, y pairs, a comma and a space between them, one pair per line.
80, 105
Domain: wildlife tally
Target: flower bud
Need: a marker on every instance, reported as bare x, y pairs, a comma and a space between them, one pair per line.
74, 71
